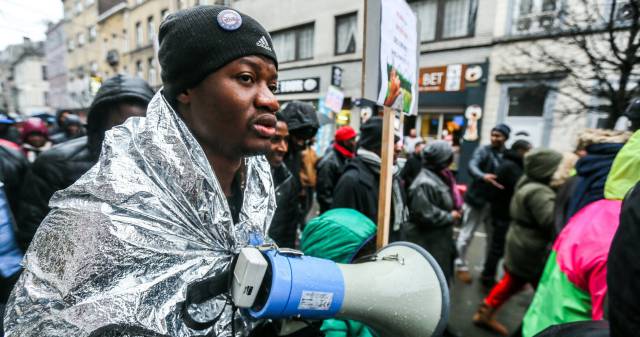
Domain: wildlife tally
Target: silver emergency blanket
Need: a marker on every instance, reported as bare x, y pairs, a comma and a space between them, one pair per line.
121, 245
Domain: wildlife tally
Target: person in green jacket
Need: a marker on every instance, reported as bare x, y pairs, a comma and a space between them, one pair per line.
340, 235
528, 237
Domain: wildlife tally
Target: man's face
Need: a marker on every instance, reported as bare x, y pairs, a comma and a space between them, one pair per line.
397, 149
349, 144
73, 129
412, 133
279, 145
36, 140
497, 139
232, 111
418, 148
123, 111
63, 116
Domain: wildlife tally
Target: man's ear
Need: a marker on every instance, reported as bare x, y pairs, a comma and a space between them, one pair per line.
184, 97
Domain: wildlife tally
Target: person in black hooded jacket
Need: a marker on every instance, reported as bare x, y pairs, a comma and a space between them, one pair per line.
507, 175
358, 187
331, 165
284, 225
119, 98
302, 120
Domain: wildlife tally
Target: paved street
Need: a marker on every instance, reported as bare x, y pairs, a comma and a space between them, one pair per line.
465, 298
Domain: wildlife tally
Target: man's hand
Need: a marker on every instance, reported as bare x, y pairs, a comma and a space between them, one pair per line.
491, 179
456, 215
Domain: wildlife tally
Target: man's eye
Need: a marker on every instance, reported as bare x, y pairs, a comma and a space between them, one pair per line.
246, 78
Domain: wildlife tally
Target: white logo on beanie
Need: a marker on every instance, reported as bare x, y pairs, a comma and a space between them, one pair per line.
263, 43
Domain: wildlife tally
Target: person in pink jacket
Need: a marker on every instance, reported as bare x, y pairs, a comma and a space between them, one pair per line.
574, 284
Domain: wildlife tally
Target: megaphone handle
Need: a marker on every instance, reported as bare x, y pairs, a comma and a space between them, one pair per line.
203, 291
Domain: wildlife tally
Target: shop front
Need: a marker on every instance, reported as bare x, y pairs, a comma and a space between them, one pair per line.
450, 108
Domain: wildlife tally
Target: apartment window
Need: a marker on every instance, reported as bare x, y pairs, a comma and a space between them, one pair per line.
294, 44
527, 101
94, 68
46, 98
81, 40
71, 45
151, 71
78, 7
164, 13
125, 40
151, 29
346, 30
534, 16
445, 19
139, 34
44, 73
139, 69
93, 33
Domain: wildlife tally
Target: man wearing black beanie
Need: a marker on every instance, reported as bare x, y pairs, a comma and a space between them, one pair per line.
476, 210
359, 184
173, 197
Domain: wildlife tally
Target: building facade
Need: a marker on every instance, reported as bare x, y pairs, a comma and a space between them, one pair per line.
83, 50
467, 51
30, 84
55, 52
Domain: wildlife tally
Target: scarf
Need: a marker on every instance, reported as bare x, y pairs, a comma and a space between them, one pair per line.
343, 150
374, 162
449, 179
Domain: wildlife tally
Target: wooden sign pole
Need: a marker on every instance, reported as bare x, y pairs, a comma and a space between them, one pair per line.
386, 178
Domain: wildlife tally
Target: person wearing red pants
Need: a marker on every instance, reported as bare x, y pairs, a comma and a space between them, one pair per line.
529, 235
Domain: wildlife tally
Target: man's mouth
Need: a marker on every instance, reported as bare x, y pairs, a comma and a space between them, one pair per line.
265, 125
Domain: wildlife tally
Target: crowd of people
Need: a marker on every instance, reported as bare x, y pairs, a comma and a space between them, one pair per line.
125, 212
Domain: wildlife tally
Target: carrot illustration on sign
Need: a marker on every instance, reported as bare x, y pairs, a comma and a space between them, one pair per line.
398, 90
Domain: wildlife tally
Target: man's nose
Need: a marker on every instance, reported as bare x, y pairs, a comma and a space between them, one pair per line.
267, 100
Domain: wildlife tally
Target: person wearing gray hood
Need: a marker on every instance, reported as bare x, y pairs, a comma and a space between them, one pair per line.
173, 197
434, 206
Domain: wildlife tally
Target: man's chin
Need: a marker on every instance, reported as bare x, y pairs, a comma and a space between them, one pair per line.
257, 148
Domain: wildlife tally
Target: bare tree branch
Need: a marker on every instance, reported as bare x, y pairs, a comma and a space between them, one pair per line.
604, 74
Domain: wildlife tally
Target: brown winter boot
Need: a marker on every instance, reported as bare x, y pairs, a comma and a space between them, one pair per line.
485, 317
464, 276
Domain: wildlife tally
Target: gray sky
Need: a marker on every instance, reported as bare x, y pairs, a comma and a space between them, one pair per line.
20, 18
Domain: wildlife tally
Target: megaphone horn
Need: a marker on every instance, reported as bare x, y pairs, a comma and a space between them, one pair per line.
402, 293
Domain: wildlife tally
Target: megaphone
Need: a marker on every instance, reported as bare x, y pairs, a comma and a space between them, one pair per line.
400, 291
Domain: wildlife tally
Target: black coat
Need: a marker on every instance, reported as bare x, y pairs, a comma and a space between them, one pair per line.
59, 167
53, 170
431, 223
13, 168
284, 225
507, 174
357, 189
485, 159
623, 269
329, 171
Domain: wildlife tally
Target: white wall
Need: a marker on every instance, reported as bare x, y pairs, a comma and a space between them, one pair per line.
31, 85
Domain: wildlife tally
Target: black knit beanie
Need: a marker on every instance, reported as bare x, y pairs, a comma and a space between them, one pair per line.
503, 129
371, 135
198, 41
